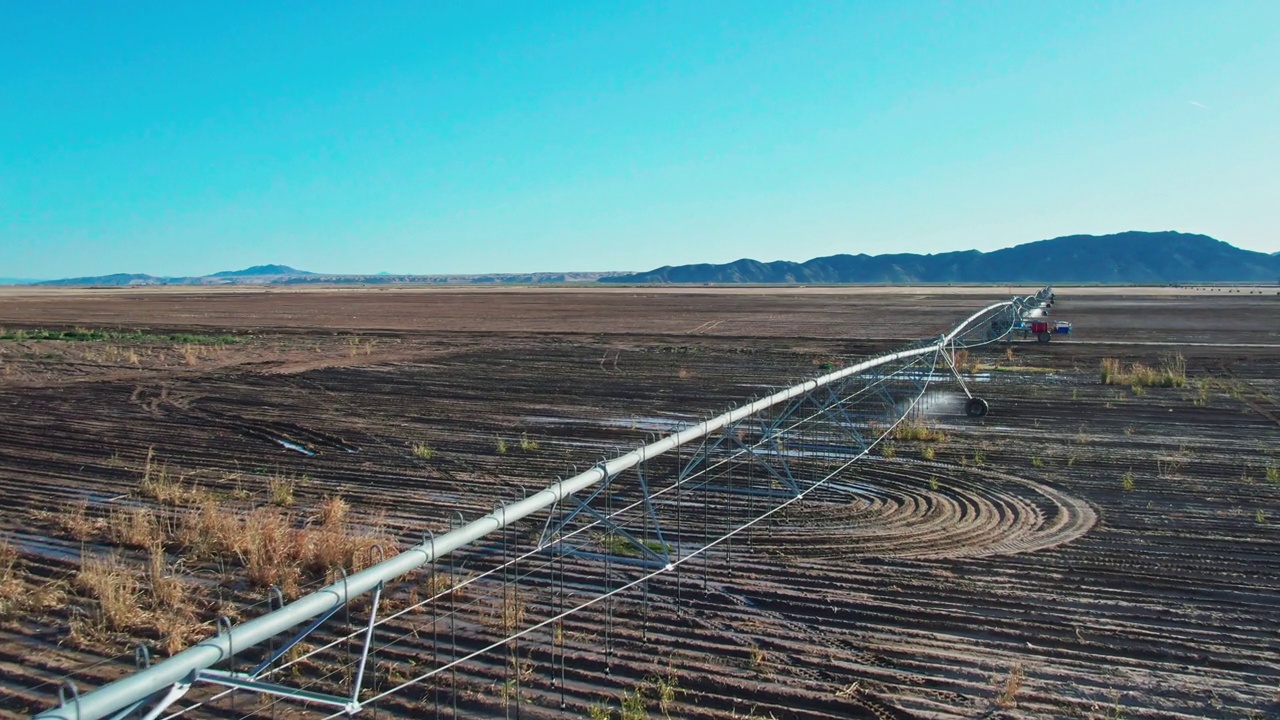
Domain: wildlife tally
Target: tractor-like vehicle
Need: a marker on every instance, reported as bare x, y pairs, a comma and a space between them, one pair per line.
1044, 329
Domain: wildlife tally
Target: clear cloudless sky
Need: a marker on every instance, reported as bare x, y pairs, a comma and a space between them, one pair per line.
182, 138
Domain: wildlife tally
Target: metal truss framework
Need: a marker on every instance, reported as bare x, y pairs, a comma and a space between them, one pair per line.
754, 460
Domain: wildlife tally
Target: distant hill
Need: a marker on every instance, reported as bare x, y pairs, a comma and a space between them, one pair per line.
285, 275
261, 270
1125, 258
114, 280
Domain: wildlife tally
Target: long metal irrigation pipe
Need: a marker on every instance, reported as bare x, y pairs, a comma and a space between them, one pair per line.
179, 669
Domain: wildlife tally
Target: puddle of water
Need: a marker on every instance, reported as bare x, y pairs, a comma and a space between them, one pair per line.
295, 447
94, 497
808, 451
936, 403
641, 422
936, 377
548, 420
634, 422
45, 548
853, 488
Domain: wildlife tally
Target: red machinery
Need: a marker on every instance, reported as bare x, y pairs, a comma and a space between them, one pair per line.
1044, 330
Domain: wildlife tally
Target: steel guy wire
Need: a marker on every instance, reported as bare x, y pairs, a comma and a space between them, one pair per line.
706, 470
726, 538
882, 379
647, 576
867, 387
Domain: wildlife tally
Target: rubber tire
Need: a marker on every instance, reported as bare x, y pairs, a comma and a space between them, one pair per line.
976, 407
1043, 337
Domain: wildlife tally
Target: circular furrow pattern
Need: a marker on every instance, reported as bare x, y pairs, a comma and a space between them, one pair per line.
932, 510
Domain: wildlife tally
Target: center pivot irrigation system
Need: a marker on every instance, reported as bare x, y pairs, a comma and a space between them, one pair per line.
645, 512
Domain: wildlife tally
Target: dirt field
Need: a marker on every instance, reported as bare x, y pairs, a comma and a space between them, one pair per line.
1155, 596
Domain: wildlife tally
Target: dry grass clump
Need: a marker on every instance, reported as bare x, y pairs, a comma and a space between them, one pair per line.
273, 546
443, 585
1171, 373
272, 550
77, 523
165, 487
917, 430
113, 354
191, 349
11, 584
135, 527
208, 531
19, 593
266, 540
260, 542
190, 354
1007, 697
280, 490
168, 590
152, 600
278, 553
115, 587
507, 617
332, 511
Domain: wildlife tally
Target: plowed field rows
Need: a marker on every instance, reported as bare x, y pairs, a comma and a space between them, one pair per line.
1086, 550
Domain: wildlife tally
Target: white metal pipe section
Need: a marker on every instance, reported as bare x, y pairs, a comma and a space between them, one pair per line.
180, 668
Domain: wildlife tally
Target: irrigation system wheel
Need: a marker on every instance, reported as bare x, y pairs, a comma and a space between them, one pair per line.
976, 407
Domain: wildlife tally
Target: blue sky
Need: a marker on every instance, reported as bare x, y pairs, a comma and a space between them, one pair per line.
188, 138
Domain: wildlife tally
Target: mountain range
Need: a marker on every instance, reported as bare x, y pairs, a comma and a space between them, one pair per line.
1123, 258
285, 275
